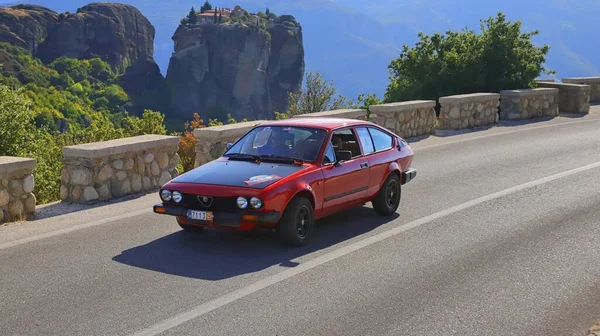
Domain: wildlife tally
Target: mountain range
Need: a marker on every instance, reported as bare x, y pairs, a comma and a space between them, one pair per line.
352, 42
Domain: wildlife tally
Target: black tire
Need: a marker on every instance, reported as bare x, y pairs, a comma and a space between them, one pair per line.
297, 223
190, 228
388, 199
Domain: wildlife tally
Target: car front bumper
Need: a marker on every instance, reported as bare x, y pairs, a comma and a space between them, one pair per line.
409, 175
241, 220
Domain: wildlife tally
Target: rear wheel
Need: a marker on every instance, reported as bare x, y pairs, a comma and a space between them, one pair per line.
190, 228
297, 223
388, 199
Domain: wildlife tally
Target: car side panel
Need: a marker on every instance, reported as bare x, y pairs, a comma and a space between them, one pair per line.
345, 185
379, 168
279, 196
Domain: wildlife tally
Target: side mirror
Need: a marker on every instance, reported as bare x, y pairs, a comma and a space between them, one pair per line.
342, 155
228, 145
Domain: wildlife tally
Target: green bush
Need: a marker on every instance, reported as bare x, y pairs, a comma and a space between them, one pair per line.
500, 57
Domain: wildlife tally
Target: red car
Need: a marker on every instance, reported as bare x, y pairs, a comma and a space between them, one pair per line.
283, 175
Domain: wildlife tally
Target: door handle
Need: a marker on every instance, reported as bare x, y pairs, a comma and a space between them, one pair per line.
364, 165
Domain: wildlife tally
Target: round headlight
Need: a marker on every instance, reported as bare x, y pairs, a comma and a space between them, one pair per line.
242, 202
165, 195
255, 202
176, 195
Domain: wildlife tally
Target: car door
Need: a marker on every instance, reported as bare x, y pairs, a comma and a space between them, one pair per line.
346, 183
376, 145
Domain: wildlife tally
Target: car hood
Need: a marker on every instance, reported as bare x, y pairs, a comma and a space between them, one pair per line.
236, 173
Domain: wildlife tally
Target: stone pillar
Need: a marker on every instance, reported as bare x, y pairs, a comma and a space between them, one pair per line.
116, 168
593, 82
572, 98
528, 103
406, 119
468, 110
16, 188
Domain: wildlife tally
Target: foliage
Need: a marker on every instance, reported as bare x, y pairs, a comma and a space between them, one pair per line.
16, 121
67, 91
207, 6
152, 122
501, 57
316, 96
192, 18
187, 143
20, 137
364, 101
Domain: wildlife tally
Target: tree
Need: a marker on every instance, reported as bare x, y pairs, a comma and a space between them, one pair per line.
16, 121
207, 6
192, 18
317, 95
500, 57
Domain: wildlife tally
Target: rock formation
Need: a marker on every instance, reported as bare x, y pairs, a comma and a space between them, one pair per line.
117, 33
246, 71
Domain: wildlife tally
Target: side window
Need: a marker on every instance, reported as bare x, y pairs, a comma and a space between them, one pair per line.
365, 140
329, 155
346, 139
381, 140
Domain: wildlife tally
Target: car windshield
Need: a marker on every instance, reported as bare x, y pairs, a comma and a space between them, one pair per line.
280, 142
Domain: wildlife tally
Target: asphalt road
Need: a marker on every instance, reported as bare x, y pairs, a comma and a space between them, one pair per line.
498, 235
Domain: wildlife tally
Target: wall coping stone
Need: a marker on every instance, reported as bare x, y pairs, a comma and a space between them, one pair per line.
469, 97
402, 106
341, 113
578, 80
566, 86
529, 92
100, 149
546, 80
12, 163
237, 129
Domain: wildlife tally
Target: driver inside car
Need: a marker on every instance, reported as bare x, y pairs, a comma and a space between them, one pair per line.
277, 145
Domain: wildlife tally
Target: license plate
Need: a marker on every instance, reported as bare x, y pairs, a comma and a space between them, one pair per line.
200, 215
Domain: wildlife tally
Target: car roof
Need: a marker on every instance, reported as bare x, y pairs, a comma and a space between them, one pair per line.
327, 123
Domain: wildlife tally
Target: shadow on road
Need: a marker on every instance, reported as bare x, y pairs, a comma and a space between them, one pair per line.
573, 115
216, 255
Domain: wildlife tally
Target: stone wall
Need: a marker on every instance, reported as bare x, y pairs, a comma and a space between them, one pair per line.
468, 110
212, 141
16, 188
407, 119
593, 82
341, 113
116, 168
572, 98
528, 103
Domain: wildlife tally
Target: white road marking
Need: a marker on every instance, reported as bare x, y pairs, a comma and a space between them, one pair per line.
342, 251
417, 148
71, 229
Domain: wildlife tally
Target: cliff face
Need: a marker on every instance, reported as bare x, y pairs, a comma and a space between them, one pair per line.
242, 70
26, 26
117, 33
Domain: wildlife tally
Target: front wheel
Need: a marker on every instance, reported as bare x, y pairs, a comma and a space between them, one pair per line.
388, 199
297, 223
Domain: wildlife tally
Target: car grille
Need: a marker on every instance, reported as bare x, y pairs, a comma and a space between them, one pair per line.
218, 203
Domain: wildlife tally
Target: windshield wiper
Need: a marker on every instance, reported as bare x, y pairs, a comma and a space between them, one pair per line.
241, 156
281, 157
